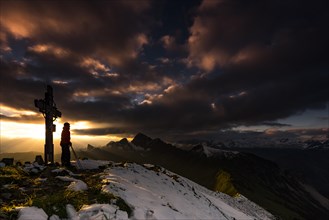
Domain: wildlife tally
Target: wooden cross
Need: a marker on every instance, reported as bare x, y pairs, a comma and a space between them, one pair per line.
48, 108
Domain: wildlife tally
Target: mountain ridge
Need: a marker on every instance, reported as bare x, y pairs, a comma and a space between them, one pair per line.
108, 190
246, 170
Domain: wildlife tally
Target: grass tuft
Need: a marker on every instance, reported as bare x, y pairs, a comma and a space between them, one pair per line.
224, 184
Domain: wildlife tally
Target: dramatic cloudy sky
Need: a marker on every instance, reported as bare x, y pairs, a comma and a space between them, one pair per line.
170, 69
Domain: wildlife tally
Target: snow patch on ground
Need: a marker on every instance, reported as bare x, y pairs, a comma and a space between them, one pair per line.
101, 211
31, 213
87, 212
64, 170
76, 185
33, 168
90, 164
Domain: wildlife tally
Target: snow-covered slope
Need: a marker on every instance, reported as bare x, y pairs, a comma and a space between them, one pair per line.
154, 193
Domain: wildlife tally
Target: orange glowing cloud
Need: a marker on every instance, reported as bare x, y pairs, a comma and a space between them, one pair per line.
94, 64
140, 87
17, 24
23, 21
50, 49
201, 53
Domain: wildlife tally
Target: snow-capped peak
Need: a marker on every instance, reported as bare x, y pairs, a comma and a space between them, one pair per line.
213, 151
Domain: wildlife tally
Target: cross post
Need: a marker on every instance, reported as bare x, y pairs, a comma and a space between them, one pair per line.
48, 108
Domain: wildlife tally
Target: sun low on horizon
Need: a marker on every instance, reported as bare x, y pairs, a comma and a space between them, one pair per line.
23, 136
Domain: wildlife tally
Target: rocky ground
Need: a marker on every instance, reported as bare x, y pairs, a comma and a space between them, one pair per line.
46, 188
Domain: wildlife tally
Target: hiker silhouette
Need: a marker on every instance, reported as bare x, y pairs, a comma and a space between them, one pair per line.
65, 144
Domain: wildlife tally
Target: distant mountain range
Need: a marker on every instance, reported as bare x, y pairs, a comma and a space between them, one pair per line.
315, 144
224, 168
261, 143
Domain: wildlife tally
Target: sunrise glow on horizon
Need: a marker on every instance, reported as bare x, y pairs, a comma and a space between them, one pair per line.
16, 135
20, 137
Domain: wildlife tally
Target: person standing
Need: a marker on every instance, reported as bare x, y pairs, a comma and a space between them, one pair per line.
65, 144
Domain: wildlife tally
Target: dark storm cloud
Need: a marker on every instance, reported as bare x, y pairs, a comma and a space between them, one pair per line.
310, 132
244, 63
113, 30
99, 131
275, 124
17, 93
258, 32
266, 59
